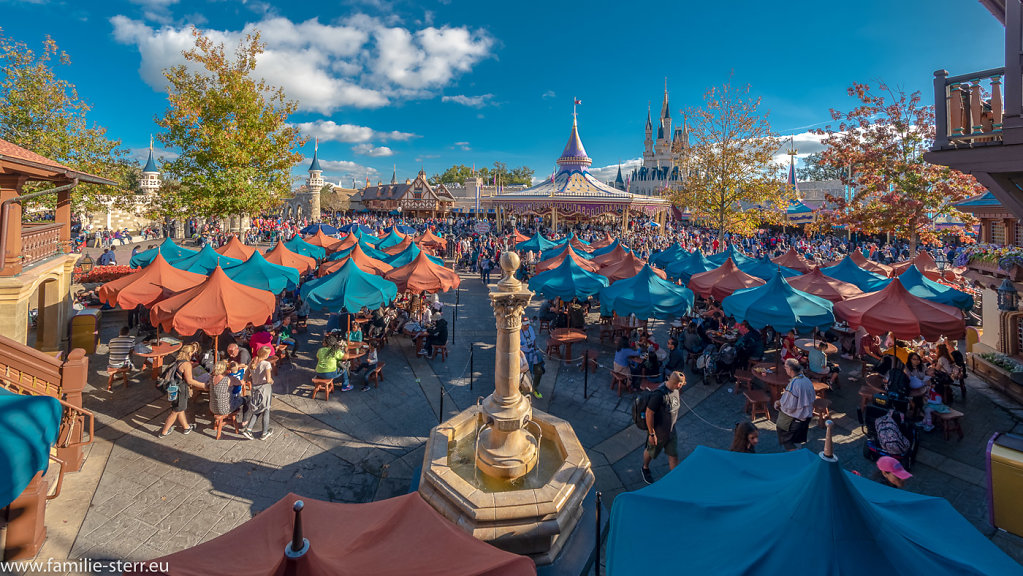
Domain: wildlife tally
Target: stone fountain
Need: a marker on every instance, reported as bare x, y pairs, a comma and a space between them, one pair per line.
508, 474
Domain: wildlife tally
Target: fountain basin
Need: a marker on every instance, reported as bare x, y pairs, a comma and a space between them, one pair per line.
530, 516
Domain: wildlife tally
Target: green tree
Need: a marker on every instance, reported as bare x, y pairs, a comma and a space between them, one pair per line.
236, 146
815, 169
730, 163
460, 173
43, 113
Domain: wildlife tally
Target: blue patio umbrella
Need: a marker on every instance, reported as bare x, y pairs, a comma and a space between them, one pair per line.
29, 426
567, 280
367, 248
406, 230
300, 246
168, 248
684, 269
204, 261
313, 228
258, 273
772, 509
849, 271
765, 269
919, 285
647, 296
734, 253
349, 288
779, 305
666, 256
408, 255
393, 238
537, 244
609, 248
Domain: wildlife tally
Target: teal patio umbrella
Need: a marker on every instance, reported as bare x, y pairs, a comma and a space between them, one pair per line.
300, 246
919, 285
258, 273
734, 253
567, 280
609, 248
350, 288
557, 250
29, 426
779, 305
364, 236
647, 296
668, 255
204, 261
684, 269
393, 238
408, 255
366, 248
537, 244
848, 271
168, 248
765, 269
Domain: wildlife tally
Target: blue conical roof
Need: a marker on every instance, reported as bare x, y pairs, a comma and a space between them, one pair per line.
316, 161
150, 163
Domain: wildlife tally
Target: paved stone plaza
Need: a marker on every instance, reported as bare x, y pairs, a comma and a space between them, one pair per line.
140, 497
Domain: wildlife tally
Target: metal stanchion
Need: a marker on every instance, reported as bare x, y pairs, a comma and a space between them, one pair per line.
586, 377
454, 318
596, 564
440, 416
472, 353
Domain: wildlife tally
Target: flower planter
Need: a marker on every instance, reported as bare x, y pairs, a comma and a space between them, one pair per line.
999, 378
991, 269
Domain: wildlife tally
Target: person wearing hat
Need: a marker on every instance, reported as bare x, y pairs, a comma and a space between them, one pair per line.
893, 471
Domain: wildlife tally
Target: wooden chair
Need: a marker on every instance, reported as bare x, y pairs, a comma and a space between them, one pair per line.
113, 373
822, 410
553, 348
950, 422
220, 419
743, 381
376, 375
756, 403
441, 349
620, 383
325, 384
591, 357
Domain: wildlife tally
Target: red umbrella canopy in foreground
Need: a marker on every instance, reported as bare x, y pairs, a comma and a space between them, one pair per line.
217, 304
423, 274
158, 280
826, 287
906, 315
722, 281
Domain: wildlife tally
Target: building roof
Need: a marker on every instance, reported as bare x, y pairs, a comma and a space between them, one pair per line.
316, 161
40, 167
985, 199
151, 162
574, 155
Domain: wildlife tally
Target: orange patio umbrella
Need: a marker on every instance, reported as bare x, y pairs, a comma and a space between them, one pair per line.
329, 243
282, 256
578, 245
792, 259
924, 262
365, 263
567, 252
398, 248
157, 281
722, 281
602, 242
907, 316
431, 240
216, 305
816, 283
235, 249
611, 258
517, 237
422, 274
627, 267
347, 241
870, 265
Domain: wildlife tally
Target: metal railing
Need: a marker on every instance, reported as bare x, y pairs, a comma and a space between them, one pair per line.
39, 242
968, 109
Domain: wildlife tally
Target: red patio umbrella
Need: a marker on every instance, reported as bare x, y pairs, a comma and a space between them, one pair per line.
365, 263
282, 256
816, 283
398, 248
602, 242
611, 258
627, 267
792, 259
924, 262
431, 240
722, 281
235, 249
566, 252
216, 305
870, 265
906, 315
330, 243
155, 282
422, 274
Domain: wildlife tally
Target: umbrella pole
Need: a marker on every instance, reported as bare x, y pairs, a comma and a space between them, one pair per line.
216, 346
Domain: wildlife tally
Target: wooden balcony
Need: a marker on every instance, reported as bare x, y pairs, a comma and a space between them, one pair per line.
39, 242
968, 109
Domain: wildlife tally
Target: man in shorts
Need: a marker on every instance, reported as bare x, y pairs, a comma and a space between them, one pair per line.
661, 415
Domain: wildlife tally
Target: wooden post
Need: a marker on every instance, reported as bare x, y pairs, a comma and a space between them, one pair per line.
975, 123
996, 103
73, 376
941, 119
1013, 59
63, 217
10, 187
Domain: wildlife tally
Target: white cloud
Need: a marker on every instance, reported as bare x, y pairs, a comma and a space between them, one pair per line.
341, 167
367, 149
471, 101
161, 155
609, 172
361, 62
549, 95
805, 143
328, 130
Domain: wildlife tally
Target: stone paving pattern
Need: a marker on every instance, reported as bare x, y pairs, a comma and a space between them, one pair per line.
157, 496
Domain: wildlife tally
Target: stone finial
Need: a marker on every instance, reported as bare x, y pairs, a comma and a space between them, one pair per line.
509, 264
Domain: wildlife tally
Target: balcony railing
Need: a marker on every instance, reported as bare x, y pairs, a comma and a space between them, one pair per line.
39, 242
968, 109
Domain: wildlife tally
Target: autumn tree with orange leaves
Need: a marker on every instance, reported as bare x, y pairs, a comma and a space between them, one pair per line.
879, 147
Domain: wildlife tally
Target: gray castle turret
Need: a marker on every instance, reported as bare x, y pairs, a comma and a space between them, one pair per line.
659, 170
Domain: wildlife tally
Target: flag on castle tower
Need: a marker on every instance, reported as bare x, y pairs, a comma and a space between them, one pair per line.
577, 101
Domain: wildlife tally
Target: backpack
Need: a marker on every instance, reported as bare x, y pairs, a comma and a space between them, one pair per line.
169, 377
890, 436
639, 405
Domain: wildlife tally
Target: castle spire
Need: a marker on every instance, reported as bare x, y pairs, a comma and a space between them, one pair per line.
394, 175
151, 162
665, 113
649, 124
574, 155
316, 162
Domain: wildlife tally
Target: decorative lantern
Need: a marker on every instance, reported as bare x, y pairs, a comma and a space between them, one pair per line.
86, 264
1007, 296
941, 260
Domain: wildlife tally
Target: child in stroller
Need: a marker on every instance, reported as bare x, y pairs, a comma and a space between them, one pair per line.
888, 432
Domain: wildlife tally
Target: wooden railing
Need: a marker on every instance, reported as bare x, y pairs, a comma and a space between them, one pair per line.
968, 109
39, 242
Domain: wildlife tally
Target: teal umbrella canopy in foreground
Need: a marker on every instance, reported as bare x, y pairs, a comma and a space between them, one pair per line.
848, 271
350, 288
923, 287
793, 508
300, 246
258, 273
557, 250
765, 269
779, 305
735, 254
567, 280
408, 255
647, 296
29, 426
393, 238
609, 248
537, 244
684, 269
168, 248
204, 261
669, 255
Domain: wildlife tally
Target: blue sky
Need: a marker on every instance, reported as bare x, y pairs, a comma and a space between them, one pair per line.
431, 84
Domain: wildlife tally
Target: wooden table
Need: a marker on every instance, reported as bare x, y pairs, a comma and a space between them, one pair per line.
808, 344
356, 351
820, 388
775, 381
724, 337
158, 351
567, 337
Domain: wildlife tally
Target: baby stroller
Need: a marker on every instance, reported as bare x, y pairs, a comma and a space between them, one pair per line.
716, 364
889, 432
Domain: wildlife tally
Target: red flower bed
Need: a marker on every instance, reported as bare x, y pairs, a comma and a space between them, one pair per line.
102, 274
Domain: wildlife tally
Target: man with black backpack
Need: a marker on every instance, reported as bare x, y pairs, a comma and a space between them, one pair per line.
659, 417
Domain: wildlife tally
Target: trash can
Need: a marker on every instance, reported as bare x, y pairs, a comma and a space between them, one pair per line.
85, 329
1005, 482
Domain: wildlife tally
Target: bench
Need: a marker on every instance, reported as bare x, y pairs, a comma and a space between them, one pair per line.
441, 349
325, 384
376, 375
620, 382
220, 419
113, 373
756, 403
950, 422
